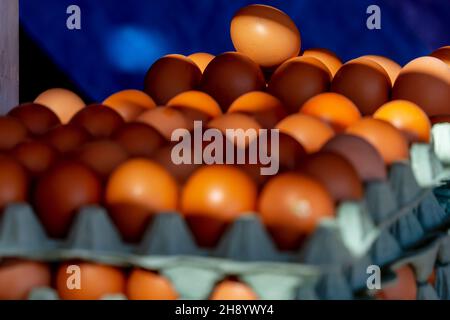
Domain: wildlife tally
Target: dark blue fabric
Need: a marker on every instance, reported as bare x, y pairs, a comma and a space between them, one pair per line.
119, 40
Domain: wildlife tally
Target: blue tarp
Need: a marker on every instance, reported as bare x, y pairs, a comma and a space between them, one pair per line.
119, 40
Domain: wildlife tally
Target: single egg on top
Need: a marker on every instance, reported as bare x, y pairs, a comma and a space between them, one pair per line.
64, 103
265, 34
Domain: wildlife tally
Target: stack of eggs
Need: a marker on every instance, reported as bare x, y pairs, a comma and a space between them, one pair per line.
341, 126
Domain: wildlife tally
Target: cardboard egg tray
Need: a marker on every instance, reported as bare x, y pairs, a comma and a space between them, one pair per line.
397, 221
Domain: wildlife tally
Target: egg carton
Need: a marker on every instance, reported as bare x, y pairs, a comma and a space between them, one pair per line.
431, 162
396, 216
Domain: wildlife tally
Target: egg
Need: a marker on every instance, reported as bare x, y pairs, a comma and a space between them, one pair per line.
407, 117
233, 290
333, 108
297, 80
234, 121
230, 75
19, 277
164, 120
291, 205
201, 59
440, 119
404, 288
12, 132
129, 103
442, 54
215, 196
138, 139
98, 120
169, 76
309, 131
196, 101
96, 281
265, 34
364, 82
61, 192
327, 57
36, 118
13, 182
367, 161
263, 107
335, 173
388, 140
67, 138
181, 172
147, 285
35, 156
391, 67
137, 190
64, 103
426, 82
102, 156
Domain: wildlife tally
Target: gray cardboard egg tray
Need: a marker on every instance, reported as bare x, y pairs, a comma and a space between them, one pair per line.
396, 220
393, 220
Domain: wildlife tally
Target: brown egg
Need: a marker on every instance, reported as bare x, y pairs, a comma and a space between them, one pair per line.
265, 34
19, 277
404, 288
64, 103
440, 119
297, 80
67, 138
201, 59
442, 54
364, 82
95, 281
164, 120
263, 107
147, 285
230, 75
426, 82
327, 57
233, 290
13, 182
391, 67
98, 120
236, 121
171, 75
291, 205
366, 160
102, 156
35, 156
181, 172
61, 192
37, 118
196, 101
335, 173
213, 197
12, 132
388, 140
310, 132
129, 103
137, 190
138, 139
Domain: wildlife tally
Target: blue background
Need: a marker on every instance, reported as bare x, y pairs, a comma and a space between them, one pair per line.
119, 40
